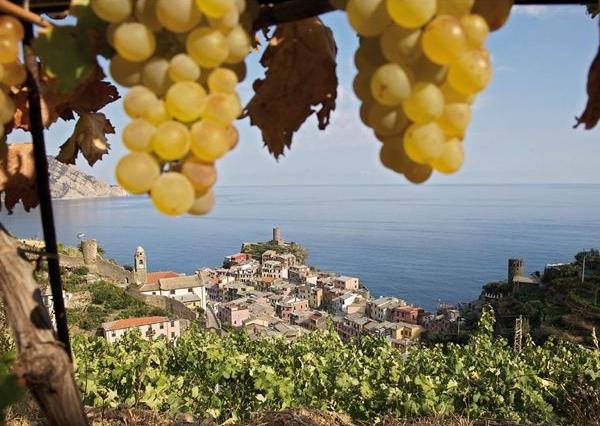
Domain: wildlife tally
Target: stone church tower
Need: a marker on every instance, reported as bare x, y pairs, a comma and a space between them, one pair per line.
140, 266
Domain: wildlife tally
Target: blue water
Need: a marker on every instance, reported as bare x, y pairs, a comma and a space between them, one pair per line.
425, 244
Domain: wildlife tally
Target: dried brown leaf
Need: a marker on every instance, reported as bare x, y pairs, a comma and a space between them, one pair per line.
591, 115
300, 77
89, 137
17, 177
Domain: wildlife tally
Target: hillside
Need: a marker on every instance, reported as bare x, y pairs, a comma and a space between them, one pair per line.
68, 182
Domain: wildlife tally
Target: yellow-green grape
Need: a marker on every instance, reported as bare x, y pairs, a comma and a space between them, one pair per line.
221, 108
136, 172
11, 27
425, 103
239, 69
417, 173
185, 100
238, 45
156, 112
14, 74
411, 13
145, 12
225, 23
172, 194
390, 85
451, 158
215, 8
425, 70
471, 72
7, 109
386, 121
443, 40
476, 30
203, 204
209, 140
401, 45
452, 96
178, 16
137, 135
423, 142
136, 100
222, 80
134, 41
455, 120
207, 46
9, 50
171, 141
155, 75
201, 175
367, 17
495, 12
183, 68
456, 8
233, 136
124, 72
112, 10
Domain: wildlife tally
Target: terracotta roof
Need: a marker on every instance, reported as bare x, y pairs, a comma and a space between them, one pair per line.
153, 277
132, 322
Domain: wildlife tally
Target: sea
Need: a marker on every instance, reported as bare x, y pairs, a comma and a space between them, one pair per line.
425, 244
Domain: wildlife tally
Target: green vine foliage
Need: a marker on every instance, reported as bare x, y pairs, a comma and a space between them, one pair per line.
231, 377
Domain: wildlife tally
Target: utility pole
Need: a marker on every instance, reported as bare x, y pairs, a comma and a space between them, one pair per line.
518, 345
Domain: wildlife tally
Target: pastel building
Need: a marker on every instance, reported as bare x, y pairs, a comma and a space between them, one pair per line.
149, 327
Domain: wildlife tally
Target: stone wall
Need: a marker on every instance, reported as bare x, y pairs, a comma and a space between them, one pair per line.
172, 306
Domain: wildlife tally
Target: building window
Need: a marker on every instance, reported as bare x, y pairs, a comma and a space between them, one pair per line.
172, 335
172, 323
190, 290
172, 292
113, 334
154, 293
162, 326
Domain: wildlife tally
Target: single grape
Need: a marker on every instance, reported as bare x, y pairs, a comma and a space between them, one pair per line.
225, 23
455, 120
393, 156
451, 158
15, 74
136, 172
137, 135
471, 72
171, 141
452, 96
112, 10
443, 40
221, 108
362, 86
233, 136
178, 16
201, 175
124, 72
210, 140
156, 112
390, 85
363, 112
134, 41
183, 68
411, 13
155, 75
456, 8
425, 103
215, 8
145, 12
495, 12
238, 45
9, 50
476, 30
423, 142
367, 17
239, 69
386, 121
185, 100
401, 45
172, 194
11, 27
417, 173
136, 100
203, 204
222, 80
208, 47
368, 57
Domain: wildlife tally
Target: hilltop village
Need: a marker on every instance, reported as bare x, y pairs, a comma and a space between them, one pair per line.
268, 290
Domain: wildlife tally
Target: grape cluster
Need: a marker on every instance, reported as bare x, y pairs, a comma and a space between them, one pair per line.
420, 65
182, 60
12, 71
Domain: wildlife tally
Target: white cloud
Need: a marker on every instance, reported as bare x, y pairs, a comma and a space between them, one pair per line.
535, 11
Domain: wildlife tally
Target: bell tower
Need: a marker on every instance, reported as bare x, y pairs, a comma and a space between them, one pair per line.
140, 266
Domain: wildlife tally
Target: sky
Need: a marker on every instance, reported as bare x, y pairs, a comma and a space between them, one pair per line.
521, 131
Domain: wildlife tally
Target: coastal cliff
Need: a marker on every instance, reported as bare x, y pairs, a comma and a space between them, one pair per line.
68, 182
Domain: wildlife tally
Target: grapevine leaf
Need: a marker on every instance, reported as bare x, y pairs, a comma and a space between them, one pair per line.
300, 63
17, 177
89, 137
591, 115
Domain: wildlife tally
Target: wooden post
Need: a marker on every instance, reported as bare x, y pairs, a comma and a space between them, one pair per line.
42, 363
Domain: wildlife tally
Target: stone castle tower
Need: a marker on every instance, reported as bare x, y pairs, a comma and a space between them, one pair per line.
89, 248
516, 268
140, 266
277, 236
